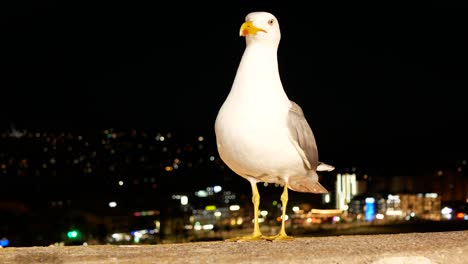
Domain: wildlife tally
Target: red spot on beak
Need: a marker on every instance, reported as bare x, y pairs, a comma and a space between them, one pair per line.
245, 32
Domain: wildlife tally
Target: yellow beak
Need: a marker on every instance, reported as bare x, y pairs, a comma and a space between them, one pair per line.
248, 28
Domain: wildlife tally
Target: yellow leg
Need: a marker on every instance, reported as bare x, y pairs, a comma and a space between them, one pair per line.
282, 234
256, 235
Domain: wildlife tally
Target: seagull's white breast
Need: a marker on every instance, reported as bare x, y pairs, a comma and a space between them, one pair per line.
251, 131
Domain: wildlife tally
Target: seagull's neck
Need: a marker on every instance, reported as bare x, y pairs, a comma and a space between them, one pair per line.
260, 59
258, 74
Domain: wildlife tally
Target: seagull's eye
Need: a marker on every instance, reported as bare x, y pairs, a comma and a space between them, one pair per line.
271, 21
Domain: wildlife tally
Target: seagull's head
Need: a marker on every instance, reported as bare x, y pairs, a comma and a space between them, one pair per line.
261, 27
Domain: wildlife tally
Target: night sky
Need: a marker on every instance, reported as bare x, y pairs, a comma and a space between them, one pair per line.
381, 88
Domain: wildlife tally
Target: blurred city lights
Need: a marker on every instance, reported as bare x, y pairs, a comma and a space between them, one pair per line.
446, 210
4, 242
218, 210
73, 234
201, 193
183, 200
370, 208
210, 207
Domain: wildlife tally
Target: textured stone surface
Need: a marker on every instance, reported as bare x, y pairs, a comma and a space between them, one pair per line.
436, 247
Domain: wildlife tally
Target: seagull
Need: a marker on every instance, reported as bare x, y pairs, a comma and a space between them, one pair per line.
261, 134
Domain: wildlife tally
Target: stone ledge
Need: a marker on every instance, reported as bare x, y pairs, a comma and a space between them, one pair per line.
421, 248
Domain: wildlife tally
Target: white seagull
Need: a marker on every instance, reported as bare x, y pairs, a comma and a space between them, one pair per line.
261, 134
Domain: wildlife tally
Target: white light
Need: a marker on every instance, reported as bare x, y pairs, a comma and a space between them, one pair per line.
295, 209
370, 200
263, 213
212, 158
121, 183
446, 210
379, 216
431, 195
234, 207
183, 200
394, 212
208, 227
327, 198
217, 213
112, 204
201, 193
217, 189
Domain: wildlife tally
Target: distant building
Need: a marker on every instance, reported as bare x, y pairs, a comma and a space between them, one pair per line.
452, 184
423, 206
346, 189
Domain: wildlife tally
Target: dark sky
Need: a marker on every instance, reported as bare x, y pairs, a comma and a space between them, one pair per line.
379, 86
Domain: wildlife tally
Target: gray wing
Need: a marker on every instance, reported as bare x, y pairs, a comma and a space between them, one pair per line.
302, 137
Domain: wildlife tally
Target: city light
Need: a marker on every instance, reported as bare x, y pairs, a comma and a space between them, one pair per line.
4, 242
201, 193
183, 200
73, 234
446, 210
217, 189
210, 207
370, 208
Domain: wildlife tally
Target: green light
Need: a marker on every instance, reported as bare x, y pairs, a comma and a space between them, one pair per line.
72, 234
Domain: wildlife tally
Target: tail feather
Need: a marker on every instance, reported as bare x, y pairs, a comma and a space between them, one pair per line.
324, 167
306, 183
